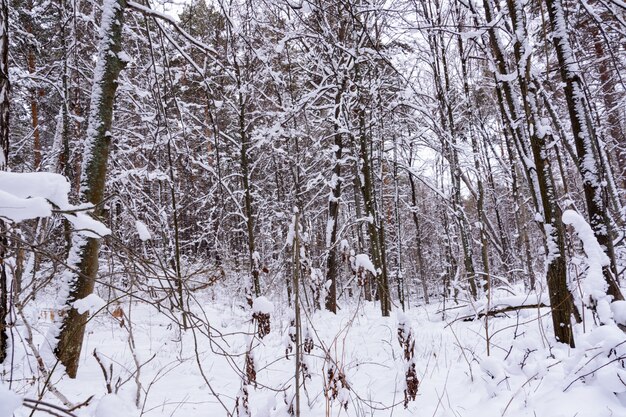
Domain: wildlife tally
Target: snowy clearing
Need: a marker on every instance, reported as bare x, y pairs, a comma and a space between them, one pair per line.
527, 373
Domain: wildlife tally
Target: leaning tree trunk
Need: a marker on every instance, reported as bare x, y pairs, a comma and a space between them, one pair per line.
83, 256
4, 152
584, 140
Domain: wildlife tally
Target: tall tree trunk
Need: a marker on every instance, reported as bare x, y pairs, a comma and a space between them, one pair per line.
4, 83
4, 153
448, 139
418, 237
480, 198
253, 255
584, 140
367, 288
374, 223
540, 176
610, 98
34, 107
400, 282
332, 262
83, 257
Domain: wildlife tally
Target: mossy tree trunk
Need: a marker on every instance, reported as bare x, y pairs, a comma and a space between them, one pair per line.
83, 256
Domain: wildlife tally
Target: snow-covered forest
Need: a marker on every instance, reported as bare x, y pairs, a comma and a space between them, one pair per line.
276, 208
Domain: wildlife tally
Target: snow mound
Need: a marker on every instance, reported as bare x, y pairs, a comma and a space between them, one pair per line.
91, 303
363, 261
262, 305
9, 401
112, 405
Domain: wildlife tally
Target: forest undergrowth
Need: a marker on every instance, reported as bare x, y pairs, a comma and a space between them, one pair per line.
138, 361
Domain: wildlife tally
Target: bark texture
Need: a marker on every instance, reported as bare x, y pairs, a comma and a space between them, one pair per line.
83, 257
4, 152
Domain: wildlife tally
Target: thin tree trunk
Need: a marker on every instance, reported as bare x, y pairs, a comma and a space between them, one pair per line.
4, 153
374, 224
4, 83
449, 144
480, 198
298, 324
332, 262
418, 238
245, 174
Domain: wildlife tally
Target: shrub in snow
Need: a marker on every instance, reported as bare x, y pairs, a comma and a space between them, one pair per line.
407, 343
305, 368
262, 309
362, 261
308, 343
318, 287
337, 387
250, 374
360, 265
290, 335
241, 403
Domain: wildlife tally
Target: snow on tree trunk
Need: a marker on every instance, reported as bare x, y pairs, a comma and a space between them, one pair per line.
332, 262
584, 137
4, 151
4, 83
538, 169
79, 279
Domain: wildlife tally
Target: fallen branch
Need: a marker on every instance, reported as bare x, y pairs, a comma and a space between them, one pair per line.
496, 312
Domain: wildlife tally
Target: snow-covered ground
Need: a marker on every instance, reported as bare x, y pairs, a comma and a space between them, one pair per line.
525, 374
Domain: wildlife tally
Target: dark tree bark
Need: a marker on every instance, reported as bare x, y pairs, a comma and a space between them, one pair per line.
418, 238
4, 83
245, 174
332, 263
4, 153
539, 175
374, 225
83, 257
584, 140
